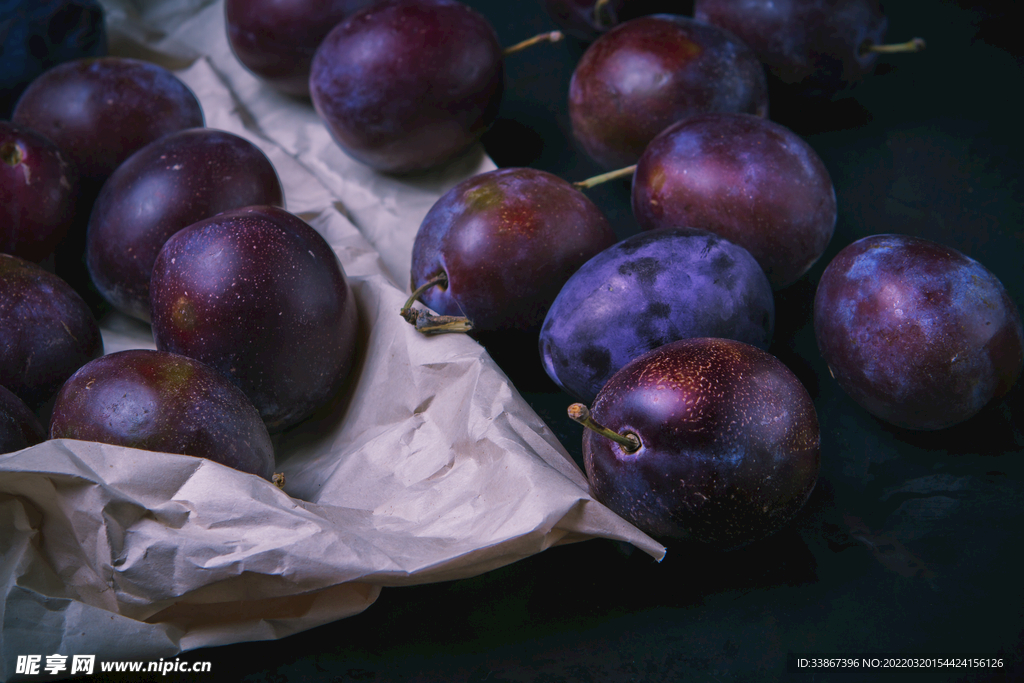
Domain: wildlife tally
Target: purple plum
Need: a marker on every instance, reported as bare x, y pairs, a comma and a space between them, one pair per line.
646, 291
19, 426
917, 333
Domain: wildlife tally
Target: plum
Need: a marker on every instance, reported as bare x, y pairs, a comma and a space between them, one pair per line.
259, 295
47, 331
167, 185
19, 427
405, 85
36, 35
917, 333
748, 179
505, 242
706, 439
648, 73
646, 291
164, 402
276, 39
38, 191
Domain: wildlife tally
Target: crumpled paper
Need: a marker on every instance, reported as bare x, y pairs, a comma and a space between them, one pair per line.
429, 466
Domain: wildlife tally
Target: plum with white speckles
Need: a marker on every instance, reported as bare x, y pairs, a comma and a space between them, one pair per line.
164, 402
919, 334
728, 443
259, 295
646, 291
748, 179
167, 185
507, 241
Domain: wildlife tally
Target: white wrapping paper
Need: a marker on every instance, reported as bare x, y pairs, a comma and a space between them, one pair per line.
428, 467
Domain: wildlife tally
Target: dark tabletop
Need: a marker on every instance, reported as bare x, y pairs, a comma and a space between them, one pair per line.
910, 543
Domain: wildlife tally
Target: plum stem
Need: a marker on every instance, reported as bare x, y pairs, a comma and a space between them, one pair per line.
428, 323
604, 177
580, 413
912, 45
11, 154
278, 480
600, 15
551, 37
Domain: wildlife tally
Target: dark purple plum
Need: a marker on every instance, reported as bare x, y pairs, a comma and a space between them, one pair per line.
748, 179
725, 443
506, 241
646, 74
164, 402
46, 331
646, 291
38, 191
36, 35
821, 44
276, 39
917, 333
259, 295
405, 85
99, 111
167, 185
19, 427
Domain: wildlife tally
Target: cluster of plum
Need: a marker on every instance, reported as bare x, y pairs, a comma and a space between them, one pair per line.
106, 161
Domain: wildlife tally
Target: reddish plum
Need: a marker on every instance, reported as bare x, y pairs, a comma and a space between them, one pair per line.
157, 401
19, 427
719, 443
404, 85
505, 241
916, 332
750, 180
650, 72
259, 295
167, 185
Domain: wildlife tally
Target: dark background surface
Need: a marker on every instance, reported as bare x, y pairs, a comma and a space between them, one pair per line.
910, 543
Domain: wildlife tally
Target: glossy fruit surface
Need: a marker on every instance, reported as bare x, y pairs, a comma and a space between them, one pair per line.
100, 111
729, 443
404, 85
820, 43
648, 290
507, 241
276, 39
917, 333
259, 295
167, 185
163, 402
650, 72
46, 331
38, 191
39, 34
750, 180
19, 427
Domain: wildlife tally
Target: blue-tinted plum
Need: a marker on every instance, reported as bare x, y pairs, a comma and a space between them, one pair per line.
19, 427
47, 331
648, 73
405, 85
917, 333
38, 34
646, 291
38, 191
507, 241
259, 295
727, 446
167, 185
157, 401
100, 111
276, 39
748, 179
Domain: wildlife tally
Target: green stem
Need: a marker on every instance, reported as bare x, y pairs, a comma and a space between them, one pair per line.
428, 323
580, 413
604, 177
913, 45
551, 37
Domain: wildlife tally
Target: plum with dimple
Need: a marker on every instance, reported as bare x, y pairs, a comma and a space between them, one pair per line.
19, 427
647, 73
919, 334
748, 179
726, 443
164, 402
646, 291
